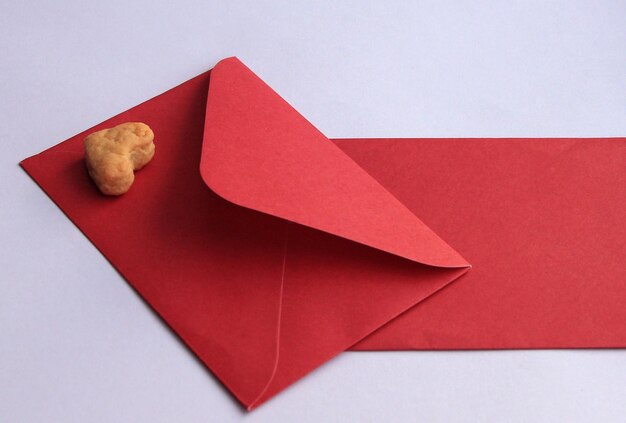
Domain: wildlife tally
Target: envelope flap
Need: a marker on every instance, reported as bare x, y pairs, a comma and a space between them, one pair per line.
260, 153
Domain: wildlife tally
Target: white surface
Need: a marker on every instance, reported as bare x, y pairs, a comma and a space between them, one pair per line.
77, 345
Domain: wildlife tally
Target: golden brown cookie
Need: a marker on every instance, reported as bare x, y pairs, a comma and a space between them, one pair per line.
113, 154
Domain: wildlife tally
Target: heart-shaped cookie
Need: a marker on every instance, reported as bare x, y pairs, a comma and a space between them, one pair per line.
113, 155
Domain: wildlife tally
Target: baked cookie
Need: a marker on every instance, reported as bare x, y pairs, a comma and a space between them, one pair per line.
114, 154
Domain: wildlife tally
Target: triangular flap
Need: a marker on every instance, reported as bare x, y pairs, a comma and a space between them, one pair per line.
260, 153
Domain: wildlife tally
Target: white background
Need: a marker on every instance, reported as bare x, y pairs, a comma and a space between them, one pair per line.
77, 345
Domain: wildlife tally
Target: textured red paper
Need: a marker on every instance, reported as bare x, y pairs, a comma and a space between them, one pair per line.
543, 222
263, 301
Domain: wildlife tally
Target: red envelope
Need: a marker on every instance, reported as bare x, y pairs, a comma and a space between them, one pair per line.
269, 249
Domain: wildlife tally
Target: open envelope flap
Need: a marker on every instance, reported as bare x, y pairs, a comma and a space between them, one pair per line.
259, 152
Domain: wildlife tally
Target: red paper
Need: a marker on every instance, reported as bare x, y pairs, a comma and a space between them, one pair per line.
543, 222
269, 250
